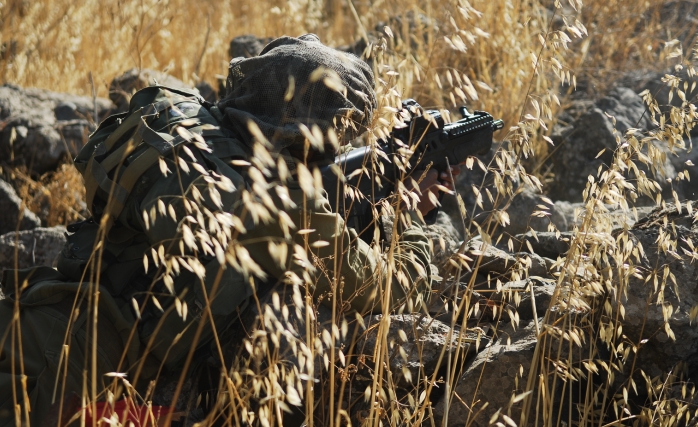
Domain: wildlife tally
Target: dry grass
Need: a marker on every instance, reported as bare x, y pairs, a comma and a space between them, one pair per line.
58, 197
56, 44
517, 60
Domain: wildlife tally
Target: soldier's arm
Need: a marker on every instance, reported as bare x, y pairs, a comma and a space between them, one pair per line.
343, 267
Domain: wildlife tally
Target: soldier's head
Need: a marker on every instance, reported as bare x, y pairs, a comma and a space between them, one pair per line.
296, 83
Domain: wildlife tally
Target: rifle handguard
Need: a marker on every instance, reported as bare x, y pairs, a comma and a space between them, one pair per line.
431, 141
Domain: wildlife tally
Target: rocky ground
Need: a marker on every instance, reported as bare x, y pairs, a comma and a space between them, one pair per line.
41, 129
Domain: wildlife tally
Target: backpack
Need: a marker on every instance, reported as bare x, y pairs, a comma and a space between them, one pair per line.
125, 146
122, 168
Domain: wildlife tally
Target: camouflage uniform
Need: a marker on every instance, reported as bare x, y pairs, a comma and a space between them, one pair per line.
257, 91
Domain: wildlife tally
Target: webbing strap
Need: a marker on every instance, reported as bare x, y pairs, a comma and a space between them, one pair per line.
134, 120
159, 144
162, 142
119, 155
130, 176
97, 172
99, 178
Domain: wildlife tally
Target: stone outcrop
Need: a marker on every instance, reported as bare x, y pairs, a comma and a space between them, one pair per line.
247, 46
494, 377
423, 340
41, 128
578, 144
29, 248
13, 216
645, 322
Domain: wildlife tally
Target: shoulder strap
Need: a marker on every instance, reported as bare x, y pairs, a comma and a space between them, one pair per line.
115, 165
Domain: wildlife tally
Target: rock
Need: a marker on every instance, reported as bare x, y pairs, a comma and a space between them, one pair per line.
445, 238
523, 207
544, 244
493, 377
66, 111
39, 246
517, 295
12, 215
513, 299
15, 100
424, 341
644, 318
525, 213
247, 46
128, 83
578, 145
687, 189
443, 234
574, 215
570, 212
464, 185
500, 372
641, 80
679, 14
41, 128
503, 265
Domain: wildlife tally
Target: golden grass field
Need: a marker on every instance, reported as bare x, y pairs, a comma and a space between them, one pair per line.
496, 44
511, 52
517, 59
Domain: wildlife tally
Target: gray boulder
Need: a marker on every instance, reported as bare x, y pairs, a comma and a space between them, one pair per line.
521, 212
492, 384
29, 248
464, 184
517, 296
505, 266
644, 322
573, 214
422, 344
547, 244
686, 161
520, 207
577, 145
444, 236
493, 378
41, 127
12, 215
640, 80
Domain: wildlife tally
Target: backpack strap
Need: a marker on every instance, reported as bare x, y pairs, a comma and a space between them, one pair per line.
97, 173
113, 166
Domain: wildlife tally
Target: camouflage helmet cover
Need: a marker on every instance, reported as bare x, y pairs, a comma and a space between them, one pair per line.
286, 86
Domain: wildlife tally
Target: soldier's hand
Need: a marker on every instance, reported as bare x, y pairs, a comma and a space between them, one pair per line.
431, 183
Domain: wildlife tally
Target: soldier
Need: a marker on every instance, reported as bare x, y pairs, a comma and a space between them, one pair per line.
217, 222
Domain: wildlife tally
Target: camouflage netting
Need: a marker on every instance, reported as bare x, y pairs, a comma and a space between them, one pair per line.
281, 90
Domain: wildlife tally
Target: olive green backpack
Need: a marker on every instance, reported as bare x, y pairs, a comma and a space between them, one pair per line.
127, 145
115, 164
120, 163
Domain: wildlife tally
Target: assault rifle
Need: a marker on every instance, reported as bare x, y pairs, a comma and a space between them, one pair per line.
432, 142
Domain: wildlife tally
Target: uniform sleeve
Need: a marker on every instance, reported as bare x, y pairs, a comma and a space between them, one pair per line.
361, 276
310, 243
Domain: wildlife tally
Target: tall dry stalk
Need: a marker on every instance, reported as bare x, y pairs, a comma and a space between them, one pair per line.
518, 60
